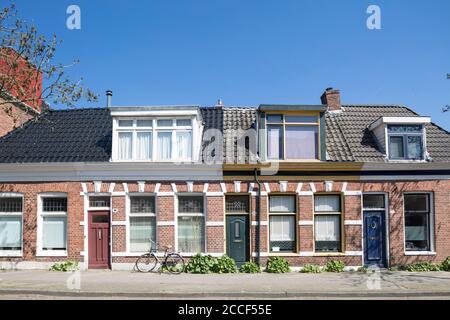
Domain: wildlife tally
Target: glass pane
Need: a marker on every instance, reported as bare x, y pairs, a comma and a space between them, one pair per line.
10, 233
164, 145
144, 145
99, 202
100, 218
142, 205
282, 233
144, 123
301, 142
165, 123
275, 141
184, 123
275, 118
301, 119
417, 232
237, 204
327, 233
10, 204
414, 147
405, 128
125, 123
125, 145
190, 204
282, 203
396, 148
184, 145
416, 202
328, 203
191, 234
54, 233
142, 230
54, 204
373, 201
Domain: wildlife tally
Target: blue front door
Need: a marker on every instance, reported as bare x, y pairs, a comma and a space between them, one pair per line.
374, 238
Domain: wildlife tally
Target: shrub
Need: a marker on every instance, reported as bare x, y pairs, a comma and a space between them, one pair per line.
65, 266
335, 266
277, 265
200, 264
311, 268
250, 267
363, 269
445, 266
224, 264
421, 267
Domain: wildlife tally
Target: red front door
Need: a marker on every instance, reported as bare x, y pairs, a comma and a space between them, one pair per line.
99, 240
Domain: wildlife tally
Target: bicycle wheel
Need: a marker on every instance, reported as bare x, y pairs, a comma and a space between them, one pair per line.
146, 263
174, 263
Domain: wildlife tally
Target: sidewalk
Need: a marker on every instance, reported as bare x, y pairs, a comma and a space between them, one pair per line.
108, 284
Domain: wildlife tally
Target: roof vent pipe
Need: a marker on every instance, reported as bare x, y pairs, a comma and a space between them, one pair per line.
108, 98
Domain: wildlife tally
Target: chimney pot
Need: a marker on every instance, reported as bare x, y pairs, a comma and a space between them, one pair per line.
332, 98
108, 98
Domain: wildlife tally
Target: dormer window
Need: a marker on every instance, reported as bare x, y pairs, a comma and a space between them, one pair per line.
405, 142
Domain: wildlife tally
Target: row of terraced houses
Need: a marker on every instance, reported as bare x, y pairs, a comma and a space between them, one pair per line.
364, 184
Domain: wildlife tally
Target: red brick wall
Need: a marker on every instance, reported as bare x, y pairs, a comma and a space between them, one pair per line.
13, 119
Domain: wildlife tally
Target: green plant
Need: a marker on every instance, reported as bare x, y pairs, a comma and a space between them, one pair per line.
65, 266
334, 266
224, 264
363, 269
200, 264
421, 267
445, 266
311, 268
250, 267
277, 265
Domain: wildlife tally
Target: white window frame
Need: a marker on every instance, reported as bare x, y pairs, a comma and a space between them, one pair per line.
154, 129
40, 221
431, 230
99, 208
129, 214
340, 214
278, 213
13, 253
182, 214
404, 136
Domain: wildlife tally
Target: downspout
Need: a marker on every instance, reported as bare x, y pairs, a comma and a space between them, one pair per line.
258, 219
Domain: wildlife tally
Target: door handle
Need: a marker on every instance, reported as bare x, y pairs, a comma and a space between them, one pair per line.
99, 234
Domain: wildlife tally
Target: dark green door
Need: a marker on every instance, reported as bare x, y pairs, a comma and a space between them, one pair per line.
237, 239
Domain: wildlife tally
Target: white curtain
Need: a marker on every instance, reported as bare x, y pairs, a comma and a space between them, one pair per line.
142, 230
164, 145
327, 228
125, 145
274, 141
191, 234
144, 145
54, 233
282, 228
301, 142
327, 203
282, 203
10, 233
184, 145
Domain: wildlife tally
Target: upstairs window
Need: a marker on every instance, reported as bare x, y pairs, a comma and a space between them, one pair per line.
405, 142
154, 139
292, 137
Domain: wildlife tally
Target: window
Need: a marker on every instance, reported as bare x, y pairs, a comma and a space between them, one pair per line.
327, 223
191, 224
418, 226
142, 223
10, 225
292, 137
99, 202
237, 204
405, 142
154, 140
282, 211
52, 225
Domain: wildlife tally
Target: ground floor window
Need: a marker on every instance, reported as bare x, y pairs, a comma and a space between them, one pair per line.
142, 223
10, 223
53, 223
327, 223
282, 210
191, 224
418, 222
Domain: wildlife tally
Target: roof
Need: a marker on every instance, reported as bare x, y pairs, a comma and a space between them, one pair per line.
84, 135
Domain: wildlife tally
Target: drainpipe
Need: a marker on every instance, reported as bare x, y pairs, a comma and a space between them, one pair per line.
258, 218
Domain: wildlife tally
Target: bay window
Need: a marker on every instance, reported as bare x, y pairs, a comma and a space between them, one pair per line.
292, 137
418, 222
282, 212
191, 224
52, 225
405, 142
327, 223
142, 221
11, 212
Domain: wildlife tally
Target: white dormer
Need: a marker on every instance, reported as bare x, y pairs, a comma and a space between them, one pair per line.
401, 138
156, 133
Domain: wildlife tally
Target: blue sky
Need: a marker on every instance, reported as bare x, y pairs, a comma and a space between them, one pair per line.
256, 51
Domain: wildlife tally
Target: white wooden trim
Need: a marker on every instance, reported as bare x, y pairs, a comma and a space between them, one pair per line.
111, 187
125, 187
157, 186
214, 194
344, 187
306, 223
420, 253
224, 187
267, 187
306, 253
118, 223
174, 187
237, 186
10, 253
305, 193
328, 186
205, 187
97, 186
354, 253
84, 187
215, 223
165, 223
312, 186
353, 222
141, 186
263, 223
283, 186
299, 187
353, 193
165, 194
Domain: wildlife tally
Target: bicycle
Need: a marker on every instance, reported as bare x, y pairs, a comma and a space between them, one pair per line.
171, 261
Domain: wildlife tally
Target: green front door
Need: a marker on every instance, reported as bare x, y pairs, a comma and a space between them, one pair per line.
237, 238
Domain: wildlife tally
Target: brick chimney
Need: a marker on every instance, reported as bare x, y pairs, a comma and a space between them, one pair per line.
332, 98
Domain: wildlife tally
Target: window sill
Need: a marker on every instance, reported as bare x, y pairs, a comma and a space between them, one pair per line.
329, 254
420, 253
12, 253
283, 254
51, 253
